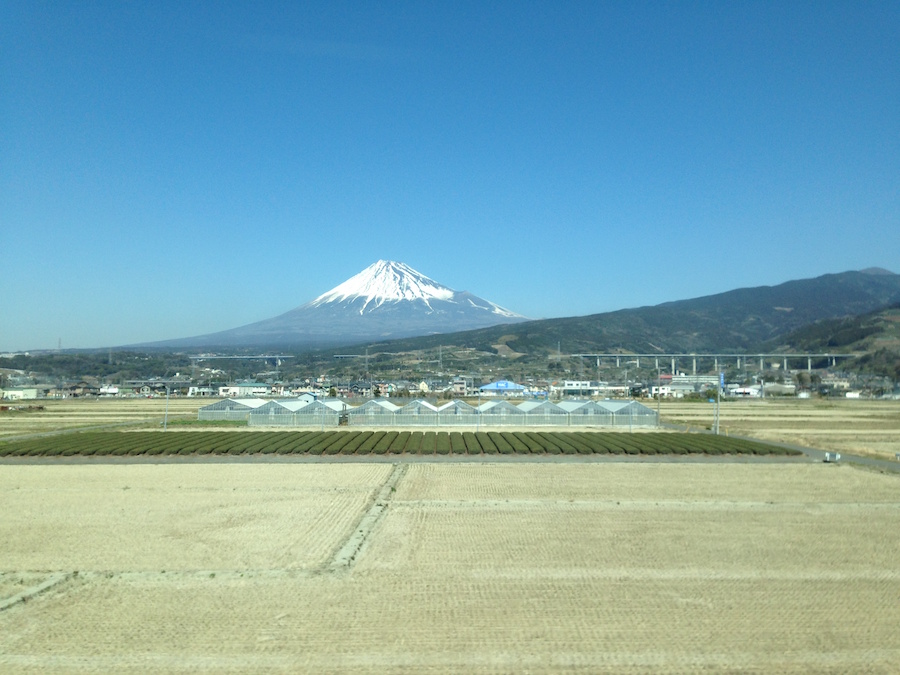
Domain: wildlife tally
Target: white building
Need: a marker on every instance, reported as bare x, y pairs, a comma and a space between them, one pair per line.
18, 393
244, 390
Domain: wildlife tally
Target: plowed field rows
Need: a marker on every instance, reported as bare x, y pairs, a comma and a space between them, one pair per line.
482, 568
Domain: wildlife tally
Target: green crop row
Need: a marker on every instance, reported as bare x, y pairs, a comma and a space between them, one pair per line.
334, 442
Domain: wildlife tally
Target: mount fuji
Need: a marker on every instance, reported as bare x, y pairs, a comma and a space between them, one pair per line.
386, 300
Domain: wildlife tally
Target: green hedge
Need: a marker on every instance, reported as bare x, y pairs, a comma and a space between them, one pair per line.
400, 443
473, 447
414, 444
457, 444
153, 443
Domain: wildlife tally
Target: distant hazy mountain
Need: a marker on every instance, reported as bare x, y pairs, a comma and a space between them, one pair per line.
741, 320
386, 300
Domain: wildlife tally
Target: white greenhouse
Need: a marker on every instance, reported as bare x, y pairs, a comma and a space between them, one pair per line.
420, 413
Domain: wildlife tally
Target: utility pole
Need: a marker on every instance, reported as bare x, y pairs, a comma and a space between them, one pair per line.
166, 418
718, 396
658, 393
716, 425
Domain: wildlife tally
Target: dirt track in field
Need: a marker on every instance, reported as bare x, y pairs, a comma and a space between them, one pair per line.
487, 568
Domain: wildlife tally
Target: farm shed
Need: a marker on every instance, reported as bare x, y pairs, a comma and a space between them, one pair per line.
18, 393
229, 409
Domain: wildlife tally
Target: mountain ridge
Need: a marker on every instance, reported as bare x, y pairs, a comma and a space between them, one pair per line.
741, 320
385, 300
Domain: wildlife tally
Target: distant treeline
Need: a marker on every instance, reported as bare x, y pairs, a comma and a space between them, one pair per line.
115, 365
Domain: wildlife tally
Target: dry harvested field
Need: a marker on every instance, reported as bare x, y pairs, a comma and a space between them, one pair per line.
484, 568
858, 427
861, 427
73, 414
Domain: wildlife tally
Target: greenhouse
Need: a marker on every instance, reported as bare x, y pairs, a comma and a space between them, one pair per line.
234, 409
276, 413
501, 414
377, 413
319, 413
588, 413
456, 407
543, 413
417, 413
420, 413
608, 413
299, 414
630, 414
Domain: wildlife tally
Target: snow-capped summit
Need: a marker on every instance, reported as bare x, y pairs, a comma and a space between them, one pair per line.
391, 282
386, 300
386, 281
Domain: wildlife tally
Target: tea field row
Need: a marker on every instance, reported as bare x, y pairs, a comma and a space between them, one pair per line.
333, 442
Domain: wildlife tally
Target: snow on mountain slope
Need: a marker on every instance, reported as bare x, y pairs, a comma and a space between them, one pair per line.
386, 281
389, 281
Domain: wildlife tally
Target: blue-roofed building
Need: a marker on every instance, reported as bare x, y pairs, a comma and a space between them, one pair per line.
502, 388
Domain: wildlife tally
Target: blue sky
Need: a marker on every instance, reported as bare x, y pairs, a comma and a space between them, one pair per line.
169, 169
